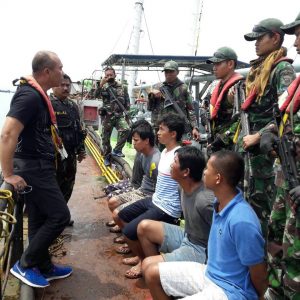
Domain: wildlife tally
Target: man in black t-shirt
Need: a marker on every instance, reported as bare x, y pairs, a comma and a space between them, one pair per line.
27, 151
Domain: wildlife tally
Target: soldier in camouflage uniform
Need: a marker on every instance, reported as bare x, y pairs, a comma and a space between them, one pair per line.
270, 75
112, 115
284, 227
223, 113
179, 91
70, 130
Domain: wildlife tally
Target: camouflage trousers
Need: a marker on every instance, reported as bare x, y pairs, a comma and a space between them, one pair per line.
259, 188
108, 123
284, 249
65, 175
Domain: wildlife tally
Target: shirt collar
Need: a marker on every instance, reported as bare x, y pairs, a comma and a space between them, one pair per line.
238, 198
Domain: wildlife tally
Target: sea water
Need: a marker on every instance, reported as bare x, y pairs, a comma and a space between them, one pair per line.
5, 99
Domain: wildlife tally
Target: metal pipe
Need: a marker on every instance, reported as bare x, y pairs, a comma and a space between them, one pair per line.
210, 77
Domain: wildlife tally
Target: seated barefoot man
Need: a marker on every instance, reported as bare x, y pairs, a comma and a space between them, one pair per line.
139, 170
235, 268
165, 204
176, 243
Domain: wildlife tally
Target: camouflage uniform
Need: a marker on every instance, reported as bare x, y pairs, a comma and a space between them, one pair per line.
112, 116
284, 238
223, 113
268, 78
68, 122
181, 95
261, 192
284, 227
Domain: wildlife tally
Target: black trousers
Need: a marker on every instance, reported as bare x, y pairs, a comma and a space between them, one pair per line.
65, 174
47, 210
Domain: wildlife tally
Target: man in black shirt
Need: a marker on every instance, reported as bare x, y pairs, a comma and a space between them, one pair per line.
27, 150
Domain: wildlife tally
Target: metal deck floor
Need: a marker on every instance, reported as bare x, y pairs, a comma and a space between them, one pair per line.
98, 272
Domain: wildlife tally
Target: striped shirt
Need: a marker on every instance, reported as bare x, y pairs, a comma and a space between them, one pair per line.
166, 195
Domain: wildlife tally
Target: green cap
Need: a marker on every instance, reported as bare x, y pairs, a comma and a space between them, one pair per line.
290, 28
224, 53
171, 65
270, 25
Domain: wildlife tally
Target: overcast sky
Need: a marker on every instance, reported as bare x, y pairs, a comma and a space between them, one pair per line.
85, 33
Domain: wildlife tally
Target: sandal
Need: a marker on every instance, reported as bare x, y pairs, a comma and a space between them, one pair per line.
131, 261
119, 240
134, 272
123, 249
115, 229
110, 223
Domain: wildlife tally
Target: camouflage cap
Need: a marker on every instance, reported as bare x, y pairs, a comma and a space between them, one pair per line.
171, 65
270, 25
224, 53
290, 28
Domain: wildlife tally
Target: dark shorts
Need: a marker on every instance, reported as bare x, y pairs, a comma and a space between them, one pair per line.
142, 210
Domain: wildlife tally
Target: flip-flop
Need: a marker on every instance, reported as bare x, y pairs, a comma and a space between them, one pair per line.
133, 273
123, 249
110, 223
119, 240
115, 229
131, 261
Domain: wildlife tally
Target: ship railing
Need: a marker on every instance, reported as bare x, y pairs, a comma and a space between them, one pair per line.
11, 237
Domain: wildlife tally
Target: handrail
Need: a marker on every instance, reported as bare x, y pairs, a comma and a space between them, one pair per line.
13, 249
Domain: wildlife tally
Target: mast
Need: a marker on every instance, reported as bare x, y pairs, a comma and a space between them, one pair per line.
198, 5
135, 43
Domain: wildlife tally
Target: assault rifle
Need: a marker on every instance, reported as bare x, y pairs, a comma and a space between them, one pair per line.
245, 131
169, 101
119, 103
286, 152
205, 121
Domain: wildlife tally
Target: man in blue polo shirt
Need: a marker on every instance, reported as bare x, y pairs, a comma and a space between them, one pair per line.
235, 268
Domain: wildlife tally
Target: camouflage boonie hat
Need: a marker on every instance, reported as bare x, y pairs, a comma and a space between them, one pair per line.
224, 53
170, 65
290, 28
270, 25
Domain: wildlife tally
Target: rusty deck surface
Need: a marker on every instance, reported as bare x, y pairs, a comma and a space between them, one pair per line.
97, 269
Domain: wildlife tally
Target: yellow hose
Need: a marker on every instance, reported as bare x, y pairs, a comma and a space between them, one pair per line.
107, 172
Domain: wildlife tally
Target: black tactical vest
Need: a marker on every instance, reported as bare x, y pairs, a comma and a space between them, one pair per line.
68, 123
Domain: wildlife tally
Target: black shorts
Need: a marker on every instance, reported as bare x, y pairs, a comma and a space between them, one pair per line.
142, 210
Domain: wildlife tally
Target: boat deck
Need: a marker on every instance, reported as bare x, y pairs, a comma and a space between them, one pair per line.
98, 272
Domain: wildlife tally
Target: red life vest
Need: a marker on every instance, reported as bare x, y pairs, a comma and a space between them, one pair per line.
293, 92
216, 98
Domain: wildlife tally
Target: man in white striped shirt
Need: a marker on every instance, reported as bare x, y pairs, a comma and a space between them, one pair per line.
165, 203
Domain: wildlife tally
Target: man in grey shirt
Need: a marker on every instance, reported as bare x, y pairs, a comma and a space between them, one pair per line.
174, 242
149, 156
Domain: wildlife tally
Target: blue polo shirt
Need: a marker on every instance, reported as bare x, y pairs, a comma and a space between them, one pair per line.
235, 243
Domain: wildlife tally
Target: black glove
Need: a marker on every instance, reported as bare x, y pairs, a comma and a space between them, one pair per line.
268, 142
295, 195
217, 144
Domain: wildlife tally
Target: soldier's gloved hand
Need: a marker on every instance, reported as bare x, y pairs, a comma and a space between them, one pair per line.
217, 144
268, 142
295, 195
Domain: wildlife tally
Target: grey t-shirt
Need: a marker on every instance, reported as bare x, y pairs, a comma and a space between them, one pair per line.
149, 165
137, 171
197, 211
